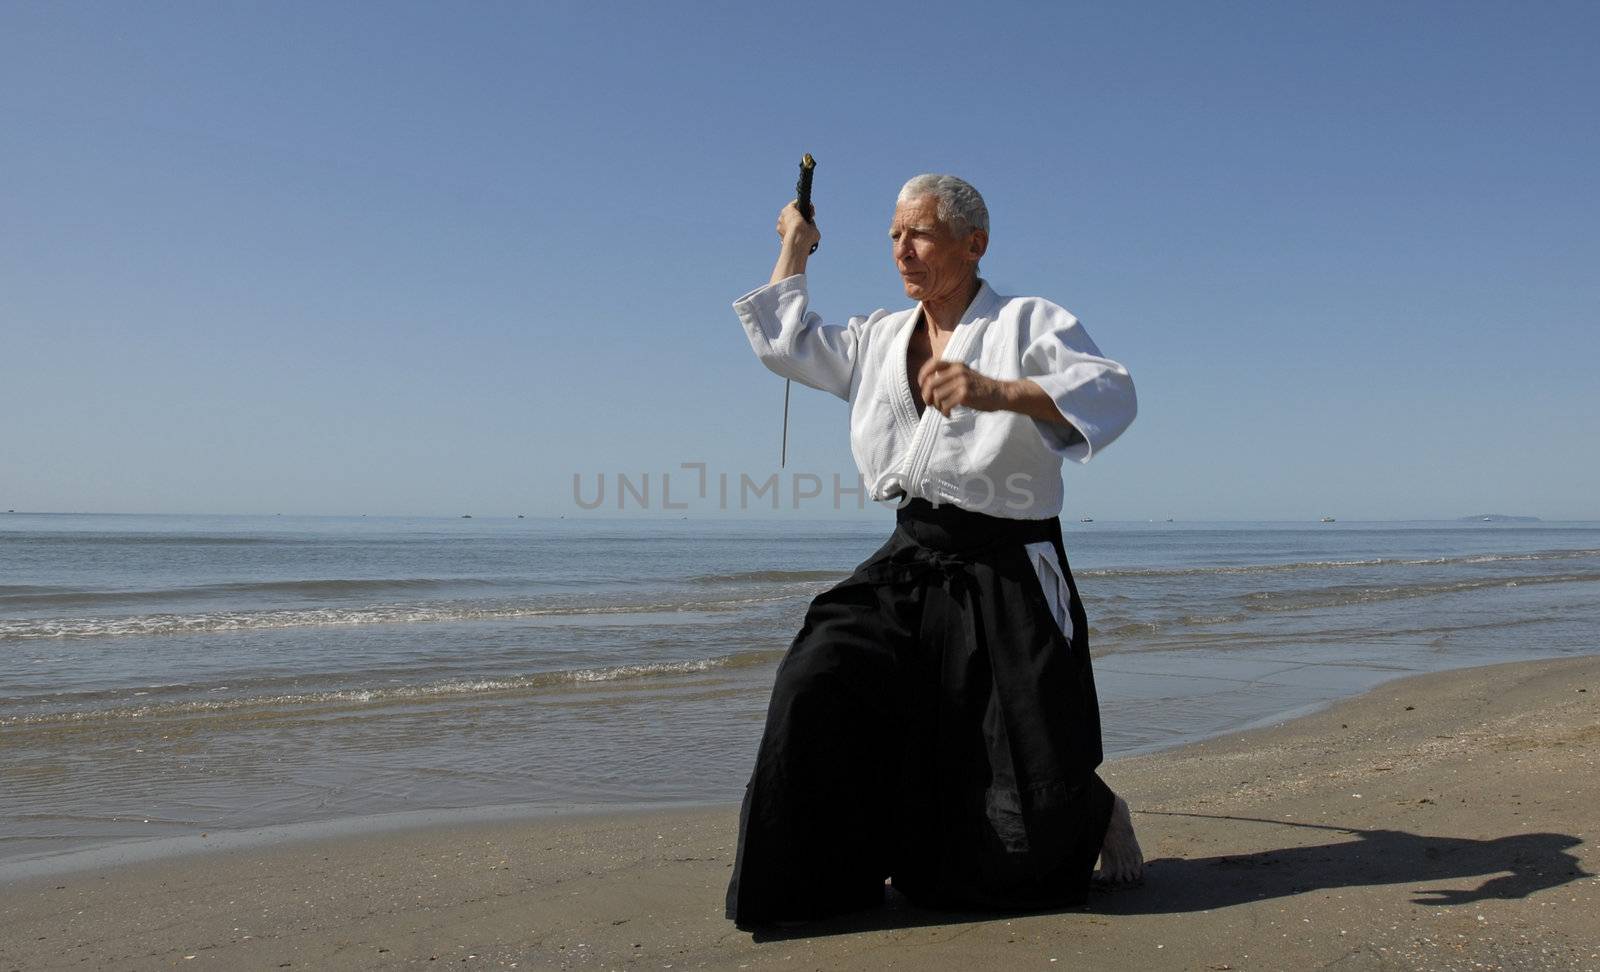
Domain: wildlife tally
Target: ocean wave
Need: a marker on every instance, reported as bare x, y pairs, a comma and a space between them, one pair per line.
1277, 602
16, 598
1310, 565
770, 576
359, 697
169, 624
1259, 601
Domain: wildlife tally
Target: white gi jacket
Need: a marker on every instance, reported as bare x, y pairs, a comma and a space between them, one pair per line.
1000, 463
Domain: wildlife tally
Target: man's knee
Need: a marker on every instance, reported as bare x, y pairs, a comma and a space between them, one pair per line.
831, 692
813, 676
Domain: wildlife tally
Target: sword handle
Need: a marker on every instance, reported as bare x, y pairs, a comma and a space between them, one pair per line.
802, 191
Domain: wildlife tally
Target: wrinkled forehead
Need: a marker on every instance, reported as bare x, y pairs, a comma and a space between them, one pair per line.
921, 212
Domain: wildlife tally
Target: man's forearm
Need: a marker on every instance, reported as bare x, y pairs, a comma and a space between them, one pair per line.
1025, 396
791, 260
946, 384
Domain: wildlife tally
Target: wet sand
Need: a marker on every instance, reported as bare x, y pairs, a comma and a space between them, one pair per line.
1445, 821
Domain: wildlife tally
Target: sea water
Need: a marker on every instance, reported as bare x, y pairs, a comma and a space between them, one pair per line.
173, 675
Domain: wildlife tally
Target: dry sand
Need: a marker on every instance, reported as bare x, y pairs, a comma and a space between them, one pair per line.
1439, 822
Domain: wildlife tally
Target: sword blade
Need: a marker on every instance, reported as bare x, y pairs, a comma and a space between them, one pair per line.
783, 451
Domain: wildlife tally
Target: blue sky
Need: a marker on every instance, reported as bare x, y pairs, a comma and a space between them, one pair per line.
417, 259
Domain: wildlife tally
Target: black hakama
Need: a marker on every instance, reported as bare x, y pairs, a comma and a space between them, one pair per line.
930, 724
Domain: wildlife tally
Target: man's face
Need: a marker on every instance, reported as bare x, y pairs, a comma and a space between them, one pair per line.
935, 264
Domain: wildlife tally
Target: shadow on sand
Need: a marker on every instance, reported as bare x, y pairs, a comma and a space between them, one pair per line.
1502, 867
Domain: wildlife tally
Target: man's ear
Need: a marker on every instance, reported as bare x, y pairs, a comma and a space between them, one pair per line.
977, 244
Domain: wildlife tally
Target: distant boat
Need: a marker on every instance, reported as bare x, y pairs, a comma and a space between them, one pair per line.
1169, 519
522, 516
466, 516
1087, 519
1327, 519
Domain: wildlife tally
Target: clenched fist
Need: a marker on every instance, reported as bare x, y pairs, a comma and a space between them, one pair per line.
793, 228
946, 384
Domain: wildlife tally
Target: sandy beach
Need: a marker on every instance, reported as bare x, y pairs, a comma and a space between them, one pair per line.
1444, 821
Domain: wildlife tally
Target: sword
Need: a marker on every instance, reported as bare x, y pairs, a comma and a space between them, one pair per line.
802, 202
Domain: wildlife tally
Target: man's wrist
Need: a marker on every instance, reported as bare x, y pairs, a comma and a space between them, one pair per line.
798, 244
791, 262
1012, 394
1026, 397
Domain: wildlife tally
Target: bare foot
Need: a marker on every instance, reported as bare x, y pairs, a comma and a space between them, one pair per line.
1121, 861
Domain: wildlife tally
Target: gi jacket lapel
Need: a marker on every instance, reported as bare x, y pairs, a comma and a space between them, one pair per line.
913, 466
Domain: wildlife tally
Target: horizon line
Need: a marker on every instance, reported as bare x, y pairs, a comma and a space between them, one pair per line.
790, 515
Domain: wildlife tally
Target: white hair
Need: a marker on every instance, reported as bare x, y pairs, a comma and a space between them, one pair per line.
960, 207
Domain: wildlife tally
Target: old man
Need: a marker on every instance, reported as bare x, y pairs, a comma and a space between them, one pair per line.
934, 722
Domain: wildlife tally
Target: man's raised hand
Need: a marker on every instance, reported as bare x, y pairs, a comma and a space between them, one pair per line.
794, 230
798, 238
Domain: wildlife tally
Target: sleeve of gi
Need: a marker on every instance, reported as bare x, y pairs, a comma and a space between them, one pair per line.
793, 342
1092, 392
